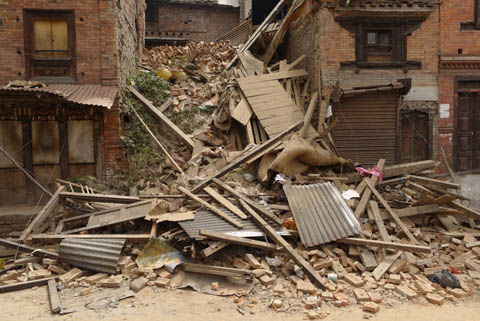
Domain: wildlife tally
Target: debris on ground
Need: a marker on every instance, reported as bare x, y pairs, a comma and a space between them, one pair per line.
252, 201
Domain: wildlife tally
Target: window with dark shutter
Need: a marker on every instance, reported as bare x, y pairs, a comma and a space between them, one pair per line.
50, 45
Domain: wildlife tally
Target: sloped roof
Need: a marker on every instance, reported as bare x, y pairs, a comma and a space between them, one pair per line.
88, 95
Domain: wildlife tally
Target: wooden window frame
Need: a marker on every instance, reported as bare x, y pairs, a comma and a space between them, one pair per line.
31, 61
399, 43
475, 24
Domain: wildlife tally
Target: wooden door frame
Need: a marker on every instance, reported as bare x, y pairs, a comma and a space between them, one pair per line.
458, 79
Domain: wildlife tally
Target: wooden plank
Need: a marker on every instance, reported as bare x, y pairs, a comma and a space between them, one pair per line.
266, 213
393, 181
280, 33
279, 240
244, 158
25, 285
162, 117
243, 112
424, 200
388, 245
385, 265
273, 76
309, 114
468, 211
53, 296
444, 199
222, 237
27, 249
397, 170
102, 198
418, 210
435, 182
253, 38
213, 248
122, 214
379, 221
60, 237
225, 202
43, 214
391, 212
215, 270
294, 63
420, 188
210, 207
362, 205
368, 259
322, 113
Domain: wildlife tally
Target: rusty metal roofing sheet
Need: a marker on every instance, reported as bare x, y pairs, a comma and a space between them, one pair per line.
94, 254
89, 95
320, 213
208, 220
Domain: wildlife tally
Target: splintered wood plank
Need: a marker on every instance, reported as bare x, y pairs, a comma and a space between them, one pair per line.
385, 265
243, 112
391, 212
379, 221
389, 245
210, 207
53, 296
362, 205
368, 259
226, 203
309, 114
435, 182
213, 248
222, 237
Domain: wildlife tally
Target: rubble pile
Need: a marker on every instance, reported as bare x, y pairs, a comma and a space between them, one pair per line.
265, 209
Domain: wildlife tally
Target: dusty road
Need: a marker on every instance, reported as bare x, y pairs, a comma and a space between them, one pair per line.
159, 304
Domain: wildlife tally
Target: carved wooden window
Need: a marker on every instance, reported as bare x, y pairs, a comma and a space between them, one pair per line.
379, 44
50, 45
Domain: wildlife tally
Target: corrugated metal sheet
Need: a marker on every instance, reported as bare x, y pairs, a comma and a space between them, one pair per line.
98, 255
320, 213
208, 220
89, 95
367, 128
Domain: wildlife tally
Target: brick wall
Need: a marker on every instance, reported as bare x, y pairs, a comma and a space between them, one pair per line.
193, 22
452, 14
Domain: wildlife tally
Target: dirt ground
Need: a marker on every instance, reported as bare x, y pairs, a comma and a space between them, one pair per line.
160, 304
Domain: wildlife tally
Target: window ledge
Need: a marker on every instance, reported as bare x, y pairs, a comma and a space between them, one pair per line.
413, 65
55, 80
469, 26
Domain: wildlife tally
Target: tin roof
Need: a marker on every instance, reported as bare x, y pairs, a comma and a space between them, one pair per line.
208, 220
89, 95
320, 213
98, 255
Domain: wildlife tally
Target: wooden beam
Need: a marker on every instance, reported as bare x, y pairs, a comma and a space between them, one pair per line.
362, 205
379, 221
393, 181
43, 214
388, 245
418, 210
279, 240
164, 150
53, 296
103, 198
210, 207
27, 249
238, 240
468, 211
246, 157
162, 117
259, 208
309, 114
215, 270
280, 34
60, 237
397, 170
251, 40
25, 285
224, 202
392, 213
434, 182
385, 265
213, 248
420, 188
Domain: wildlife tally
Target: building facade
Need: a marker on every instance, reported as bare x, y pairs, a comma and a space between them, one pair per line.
62, 65
180, 21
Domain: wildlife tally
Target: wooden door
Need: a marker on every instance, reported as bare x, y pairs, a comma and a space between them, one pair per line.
415, 137
467, 131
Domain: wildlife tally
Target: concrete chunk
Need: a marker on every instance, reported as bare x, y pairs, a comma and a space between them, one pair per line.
138, 284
